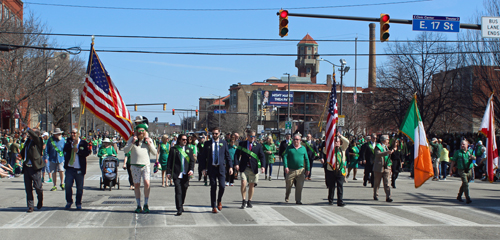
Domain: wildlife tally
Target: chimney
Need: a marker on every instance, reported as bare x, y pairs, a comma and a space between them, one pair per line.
372, 65
329, 80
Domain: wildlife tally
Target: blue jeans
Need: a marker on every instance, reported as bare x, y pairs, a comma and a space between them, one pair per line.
444, 169
74, 175
270, 167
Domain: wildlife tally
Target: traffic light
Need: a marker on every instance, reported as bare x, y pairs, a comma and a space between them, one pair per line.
197, 112
384, 27
173, 111
135, 107
283, 16
164, 107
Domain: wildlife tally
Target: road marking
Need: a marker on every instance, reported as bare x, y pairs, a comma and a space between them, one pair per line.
94, 217
441, 217
386, 218
265, 215
203, 216
30, 220
324, 216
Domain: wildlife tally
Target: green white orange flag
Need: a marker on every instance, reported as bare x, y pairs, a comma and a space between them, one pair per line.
413, 128
488, 129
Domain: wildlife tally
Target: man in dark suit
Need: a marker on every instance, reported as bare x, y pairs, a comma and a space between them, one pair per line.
215, 157
200, 146
283, 145
32, 168
312, 152
180, 167
367, 153
76, 151
248, 158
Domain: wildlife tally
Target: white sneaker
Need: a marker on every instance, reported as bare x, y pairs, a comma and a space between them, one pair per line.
227, 183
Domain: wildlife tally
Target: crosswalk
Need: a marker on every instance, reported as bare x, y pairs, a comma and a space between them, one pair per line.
261, 215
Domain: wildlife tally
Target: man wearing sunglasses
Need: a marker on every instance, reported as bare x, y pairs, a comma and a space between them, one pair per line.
140, 147
248, 158
180, 167
214, 158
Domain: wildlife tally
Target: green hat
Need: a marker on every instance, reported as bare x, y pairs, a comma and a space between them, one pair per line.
142, 125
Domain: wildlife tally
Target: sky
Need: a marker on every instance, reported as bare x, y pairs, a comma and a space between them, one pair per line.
180, 80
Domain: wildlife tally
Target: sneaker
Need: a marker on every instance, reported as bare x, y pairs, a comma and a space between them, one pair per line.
227, 183
435, 179
42, 180
231, 184
243, 204
444, 179
249, 204
78, 207
62, 186
138, 209
206, 183
146, 208
50, 180
10, 176
68, 206
54, 188
471, 181
354, 179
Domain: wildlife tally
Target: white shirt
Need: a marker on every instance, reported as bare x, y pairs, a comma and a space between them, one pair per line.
215, 145
76, 163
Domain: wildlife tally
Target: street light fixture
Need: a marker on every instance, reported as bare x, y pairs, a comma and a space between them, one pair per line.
343, 70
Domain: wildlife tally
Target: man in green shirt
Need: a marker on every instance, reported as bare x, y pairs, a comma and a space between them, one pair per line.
294, 158
463, 160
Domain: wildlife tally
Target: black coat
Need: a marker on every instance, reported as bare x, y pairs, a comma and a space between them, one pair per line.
367, 154
207, 159
83, 153
283, 147
242, 159
174, 165
34, 153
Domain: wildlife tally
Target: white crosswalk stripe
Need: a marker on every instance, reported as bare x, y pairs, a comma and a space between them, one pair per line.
263, 215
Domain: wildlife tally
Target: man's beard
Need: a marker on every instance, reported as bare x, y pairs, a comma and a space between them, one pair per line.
59, 138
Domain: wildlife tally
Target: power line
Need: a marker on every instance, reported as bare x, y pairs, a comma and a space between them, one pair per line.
233, 39
222, 9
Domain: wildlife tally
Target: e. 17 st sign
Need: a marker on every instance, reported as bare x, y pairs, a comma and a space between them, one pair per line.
435, 23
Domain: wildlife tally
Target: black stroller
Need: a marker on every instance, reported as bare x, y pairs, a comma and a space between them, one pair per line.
109, 171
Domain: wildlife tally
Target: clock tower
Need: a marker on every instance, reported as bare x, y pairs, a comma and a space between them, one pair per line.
307, 55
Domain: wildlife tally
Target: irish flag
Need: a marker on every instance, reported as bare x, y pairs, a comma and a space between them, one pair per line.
413, 128
488, 129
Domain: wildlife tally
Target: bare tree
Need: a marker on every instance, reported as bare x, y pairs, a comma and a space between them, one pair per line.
23, 71
417, 68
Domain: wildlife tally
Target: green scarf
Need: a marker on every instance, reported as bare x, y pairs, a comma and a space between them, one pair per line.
386, 158
55, 148
252, 154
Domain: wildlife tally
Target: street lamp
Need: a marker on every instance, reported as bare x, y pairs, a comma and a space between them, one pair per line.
343, 70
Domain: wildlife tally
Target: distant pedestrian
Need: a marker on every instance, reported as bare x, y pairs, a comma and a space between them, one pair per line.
396, 160
462, 159
76, 151
162, 157
353, 163
382, 168
55, 146
269, 151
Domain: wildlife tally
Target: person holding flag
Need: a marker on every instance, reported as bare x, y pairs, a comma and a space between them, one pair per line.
335, 175
76, 151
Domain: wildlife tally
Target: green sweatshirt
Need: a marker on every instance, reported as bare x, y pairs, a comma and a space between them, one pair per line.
295, 158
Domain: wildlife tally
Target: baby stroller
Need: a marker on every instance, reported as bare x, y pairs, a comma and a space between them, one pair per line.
109, 171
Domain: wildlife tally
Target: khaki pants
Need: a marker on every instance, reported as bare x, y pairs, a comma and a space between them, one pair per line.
386, 177
465, 177
298, 176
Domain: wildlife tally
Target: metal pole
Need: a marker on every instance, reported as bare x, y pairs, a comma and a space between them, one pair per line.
356, 71
219, 110
248, 111
46, 95
341, 87
288, 97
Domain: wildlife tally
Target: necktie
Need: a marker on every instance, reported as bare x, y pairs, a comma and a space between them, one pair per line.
216, 154
250, 146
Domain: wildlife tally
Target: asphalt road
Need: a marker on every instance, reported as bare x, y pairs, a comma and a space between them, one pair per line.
429, 212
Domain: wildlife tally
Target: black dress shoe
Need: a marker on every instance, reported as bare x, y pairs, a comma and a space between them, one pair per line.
467, 200
340, 204
459, 198
364, 184
179, 212
243, 204
330, 203
298, 203
30, 210
375, 198
39, 205
249, 204
389, 200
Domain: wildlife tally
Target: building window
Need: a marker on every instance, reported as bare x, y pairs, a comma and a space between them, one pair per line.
309, 48
308, 57
308, 70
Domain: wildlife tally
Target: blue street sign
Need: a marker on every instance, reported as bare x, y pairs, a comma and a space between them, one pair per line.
221, 111
436, 23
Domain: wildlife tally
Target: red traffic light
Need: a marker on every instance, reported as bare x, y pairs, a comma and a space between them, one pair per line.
284, 14
386, 18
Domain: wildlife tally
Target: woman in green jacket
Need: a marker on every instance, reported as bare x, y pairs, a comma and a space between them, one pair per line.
269, 151
106, 149
161, 158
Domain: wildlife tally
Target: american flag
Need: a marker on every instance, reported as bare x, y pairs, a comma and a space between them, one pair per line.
331, 125
102, 98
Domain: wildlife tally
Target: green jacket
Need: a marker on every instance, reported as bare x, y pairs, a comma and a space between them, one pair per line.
272, 148
462, 159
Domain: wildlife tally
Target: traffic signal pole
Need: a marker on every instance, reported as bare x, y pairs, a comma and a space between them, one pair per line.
368, 19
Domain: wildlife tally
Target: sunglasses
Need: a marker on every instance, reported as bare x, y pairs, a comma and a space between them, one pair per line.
296, 139
141, 131
252, 136
184, 139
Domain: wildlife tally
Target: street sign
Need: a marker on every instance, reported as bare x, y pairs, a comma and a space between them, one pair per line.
260, 128
435, 23
490, 27
341, 121
221, 111
288, 125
